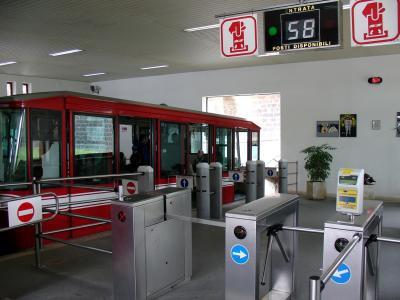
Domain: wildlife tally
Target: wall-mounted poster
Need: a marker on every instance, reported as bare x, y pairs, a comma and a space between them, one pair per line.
398, 125
348, 125
327, 128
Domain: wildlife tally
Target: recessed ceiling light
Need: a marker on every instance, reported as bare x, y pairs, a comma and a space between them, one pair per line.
7, 63
94, 74
154, 67
201, 28
269, 54
65, 52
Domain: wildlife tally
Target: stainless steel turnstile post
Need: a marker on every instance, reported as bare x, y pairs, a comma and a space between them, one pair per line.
151, 243
357, 277
259, 254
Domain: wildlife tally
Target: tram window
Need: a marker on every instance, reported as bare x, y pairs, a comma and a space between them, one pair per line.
241, 136
254, 145
224, 147
171, 149
199, 137
45, 141
135, 138
94, 145
13, 166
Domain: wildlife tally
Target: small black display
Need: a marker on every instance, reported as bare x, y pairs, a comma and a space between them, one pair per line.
299, 27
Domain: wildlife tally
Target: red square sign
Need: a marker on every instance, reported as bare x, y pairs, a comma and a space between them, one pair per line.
375, 22
238, 36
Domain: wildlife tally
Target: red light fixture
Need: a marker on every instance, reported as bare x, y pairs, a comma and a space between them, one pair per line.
375, 80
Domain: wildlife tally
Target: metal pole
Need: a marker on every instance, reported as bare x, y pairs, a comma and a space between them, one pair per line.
38, 229
283, 176
388, 240
74, 244
303, 229
315, 288
341, 257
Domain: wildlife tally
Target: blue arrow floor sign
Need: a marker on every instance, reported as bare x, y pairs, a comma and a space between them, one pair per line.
342, 274
240, 254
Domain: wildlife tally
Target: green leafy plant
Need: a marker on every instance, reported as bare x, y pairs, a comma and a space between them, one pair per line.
318, 161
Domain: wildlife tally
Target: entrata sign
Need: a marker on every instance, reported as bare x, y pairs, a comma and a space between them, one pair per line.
131, 187
375, 22
24, 211
238, 36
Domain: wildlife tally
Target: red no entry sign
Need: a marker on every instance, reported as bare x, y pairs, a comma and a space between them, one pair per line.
25, 212
131, 187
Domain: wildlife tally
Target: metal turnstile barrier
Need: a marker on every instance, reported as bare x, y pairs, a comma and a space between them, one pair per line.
350, 257
209, 190
259, 256
151, 243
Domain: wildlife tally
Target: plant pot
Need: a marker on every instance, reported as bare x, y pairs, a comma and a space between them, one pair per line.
316, 190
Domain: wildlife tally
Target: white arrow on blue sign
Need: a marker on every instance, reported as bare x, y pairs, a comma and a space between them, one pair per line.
240, 254
184, 183
342, 274
236, 176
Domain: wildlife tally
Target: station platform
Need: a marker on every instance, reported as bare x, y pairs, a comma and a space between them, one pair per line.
71, 273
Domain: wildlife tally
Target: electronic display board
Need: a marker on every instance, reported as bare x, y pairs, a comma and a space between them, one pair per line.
303, 26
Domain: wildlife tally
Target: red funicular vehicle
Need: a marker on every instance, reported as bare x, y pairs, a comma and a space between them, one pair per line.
64, 134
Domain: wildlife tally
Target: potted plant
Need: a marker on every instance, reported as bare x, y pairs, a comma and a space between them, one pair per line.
318, 165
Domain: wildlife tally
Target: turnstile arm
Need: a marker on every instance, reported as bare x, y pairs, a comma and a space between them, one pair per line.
317, 284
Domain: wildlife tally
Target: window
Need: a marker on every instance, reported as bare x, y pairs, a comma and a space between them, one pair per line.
13, 146
240, 148
46, 142
94, 145
10, 86
26, 88
254, 145
135, 143
172, 161
224, 147
199, 137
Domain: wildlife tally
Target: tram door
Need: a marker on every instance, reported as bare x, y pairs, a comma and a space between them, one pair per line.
136, 143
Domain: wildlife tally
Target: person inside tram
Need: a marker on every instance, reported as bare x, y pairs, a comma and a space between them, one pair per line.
143, 149
200, 158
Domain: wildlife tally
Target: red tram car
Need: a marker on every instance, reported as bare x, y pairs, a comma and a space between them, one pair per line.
63, 134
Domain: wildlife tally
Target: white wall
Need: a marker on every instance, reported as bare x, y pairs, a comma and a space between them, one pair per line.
309, 92
42, 84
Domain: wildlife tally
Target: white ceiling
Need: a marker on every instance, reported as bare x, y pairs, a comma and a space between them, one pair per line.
121, 36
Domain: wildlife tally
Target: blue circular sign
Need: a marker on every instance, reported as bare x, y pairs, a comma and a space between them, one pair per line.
270, 173
239, 254
342, 275
236, 176
184, 183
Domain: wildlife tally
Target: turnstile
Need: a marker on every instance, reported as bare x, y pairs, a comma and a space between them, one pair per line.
357, 277
253, 242
151, 243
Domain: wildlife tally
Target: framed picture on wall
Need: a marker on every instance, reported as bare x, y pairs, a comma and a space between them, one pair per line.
348, 125
327, 128
398, 125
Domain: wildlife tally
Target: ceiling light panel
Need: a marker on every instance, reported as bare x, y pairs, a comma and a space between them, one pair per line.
7, 63
65, 52
154, 67
94, 74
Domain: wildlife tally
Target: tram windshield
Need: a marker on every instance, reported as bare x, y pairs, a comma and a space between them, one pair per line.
13, 145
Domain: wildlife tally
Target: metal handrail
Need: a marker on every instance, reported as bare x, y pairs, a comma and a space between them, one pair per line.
14, 184
317, 284
55, 212
89, 177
